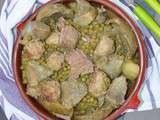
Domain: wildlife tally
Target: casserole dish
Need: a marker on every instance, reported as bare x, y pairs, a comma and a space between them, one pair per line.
132, 100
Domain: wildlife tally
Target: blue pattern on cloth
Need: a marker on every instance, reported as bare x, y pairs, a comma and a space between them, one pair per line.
15, 11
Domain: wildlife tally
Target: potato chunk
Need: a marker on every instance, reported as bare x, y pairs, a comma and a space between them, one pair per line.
130, 70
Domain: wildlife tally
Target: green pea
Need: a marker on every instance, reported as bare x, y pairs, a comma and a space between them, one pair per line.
82, 33
94, 45
96, 26
65, 68
91, 27
81, 42
82, 111
46, 46
54, 72
61, 77
90, 31
88, 97
25, 81
95, 23
83, 79
94, 36
101, 28
94, 102
85, 31
82, 104
67, 23
87, 46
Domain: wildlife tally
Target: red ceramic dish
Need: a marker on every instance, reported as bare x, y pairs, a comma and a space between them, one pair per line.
131, 102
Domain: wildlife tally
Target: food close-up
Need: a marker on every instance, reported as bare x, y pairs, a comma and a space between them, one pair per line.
79, 60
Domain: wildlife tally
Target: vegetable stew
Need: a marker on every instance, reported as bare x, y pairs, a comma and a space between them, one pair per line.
78, 60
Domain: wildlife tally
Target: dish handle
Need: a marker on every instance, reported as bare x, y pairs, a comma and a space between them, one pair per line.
134, 102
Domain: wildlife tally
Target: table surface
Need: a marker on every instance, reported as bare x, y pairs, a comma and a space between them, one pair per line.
145, 115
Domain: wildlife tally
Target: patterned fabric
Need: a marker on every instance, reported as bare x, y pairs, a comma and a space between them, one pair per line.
15, 108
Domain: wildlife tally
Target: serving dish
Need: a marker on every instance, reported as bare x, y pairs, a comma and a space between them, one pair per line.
131, 102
